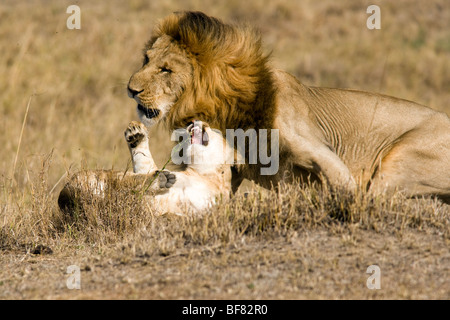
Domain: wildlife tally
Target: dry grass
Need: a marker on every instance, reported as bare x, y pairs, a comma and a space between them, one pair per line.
64, 106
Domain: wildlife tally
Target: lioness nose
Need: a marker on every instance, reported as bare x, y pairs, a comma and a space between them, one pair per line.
133, 92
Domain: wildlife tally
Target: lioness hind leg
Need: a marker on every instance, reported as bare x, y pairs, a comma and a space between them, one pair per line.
419, 163
136, 136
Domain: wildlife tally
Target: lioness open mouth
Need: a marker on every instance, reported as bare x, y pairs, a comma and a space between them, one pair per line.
198, 133
148, 112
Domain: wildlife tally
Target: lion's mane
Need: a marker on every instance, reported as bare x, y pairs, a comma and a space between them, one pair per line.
232, 82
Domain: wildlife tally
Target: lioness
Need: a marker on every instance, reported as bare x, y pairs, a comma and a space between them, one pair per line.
191, 189
197, 184
197, 67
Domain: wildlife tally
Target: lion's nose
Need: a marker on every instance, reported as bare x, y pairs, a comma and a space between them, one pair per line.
133, 92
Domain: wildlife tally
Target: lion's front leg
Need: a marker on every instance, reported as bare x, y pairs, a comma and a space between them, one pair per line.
326, 165
311, 154
136, 136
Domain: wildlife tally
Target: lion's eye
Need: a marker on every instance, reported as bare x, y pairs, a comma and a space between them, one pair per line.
165, 70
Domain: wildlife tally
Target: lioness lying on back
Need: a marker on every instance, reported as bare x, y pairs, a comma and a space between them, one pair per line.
196, 186
193, 188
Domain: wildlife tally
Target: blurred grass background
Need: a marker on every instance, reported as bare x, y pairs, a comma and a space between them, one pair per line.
77, 78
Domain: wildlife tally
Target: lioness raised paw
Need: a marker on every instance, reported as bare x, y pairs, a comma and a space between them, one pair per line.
135, 133
166, 179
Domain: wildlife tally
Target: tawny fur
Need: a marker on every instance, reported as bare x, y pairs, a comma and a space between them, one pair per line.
197, 67
191, 188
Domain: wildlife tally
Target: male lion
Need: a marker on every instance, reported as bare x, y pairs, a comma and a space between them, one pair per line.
197, 67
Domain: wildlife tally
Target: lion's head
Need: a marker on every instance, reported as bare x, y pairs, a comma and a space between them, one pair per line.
197, 67
157, 86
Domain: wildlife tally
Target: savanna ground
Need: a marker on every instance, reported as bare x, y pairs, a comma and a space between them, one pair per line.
64, 107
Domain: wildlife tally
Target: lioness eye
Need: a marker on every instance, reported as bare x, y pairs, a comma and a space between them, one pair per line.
165, 69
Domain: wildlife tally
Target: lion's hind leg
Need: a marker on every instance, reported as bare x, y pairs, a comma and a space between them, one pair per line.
419, 163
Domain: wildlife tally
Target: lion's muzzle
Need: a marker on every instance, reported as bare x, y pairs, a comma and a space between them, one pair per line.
148, 112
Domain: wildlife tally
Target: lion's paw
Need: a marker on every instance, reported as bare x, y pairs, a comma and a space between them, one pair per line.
166, 179
135, 133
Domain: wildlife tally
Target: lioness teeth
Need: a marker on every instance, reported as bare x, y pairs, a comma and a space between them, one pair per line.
196, 135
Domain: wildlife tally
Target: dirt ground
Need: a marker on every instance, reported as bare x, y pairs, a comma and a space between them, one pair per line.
306, 265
